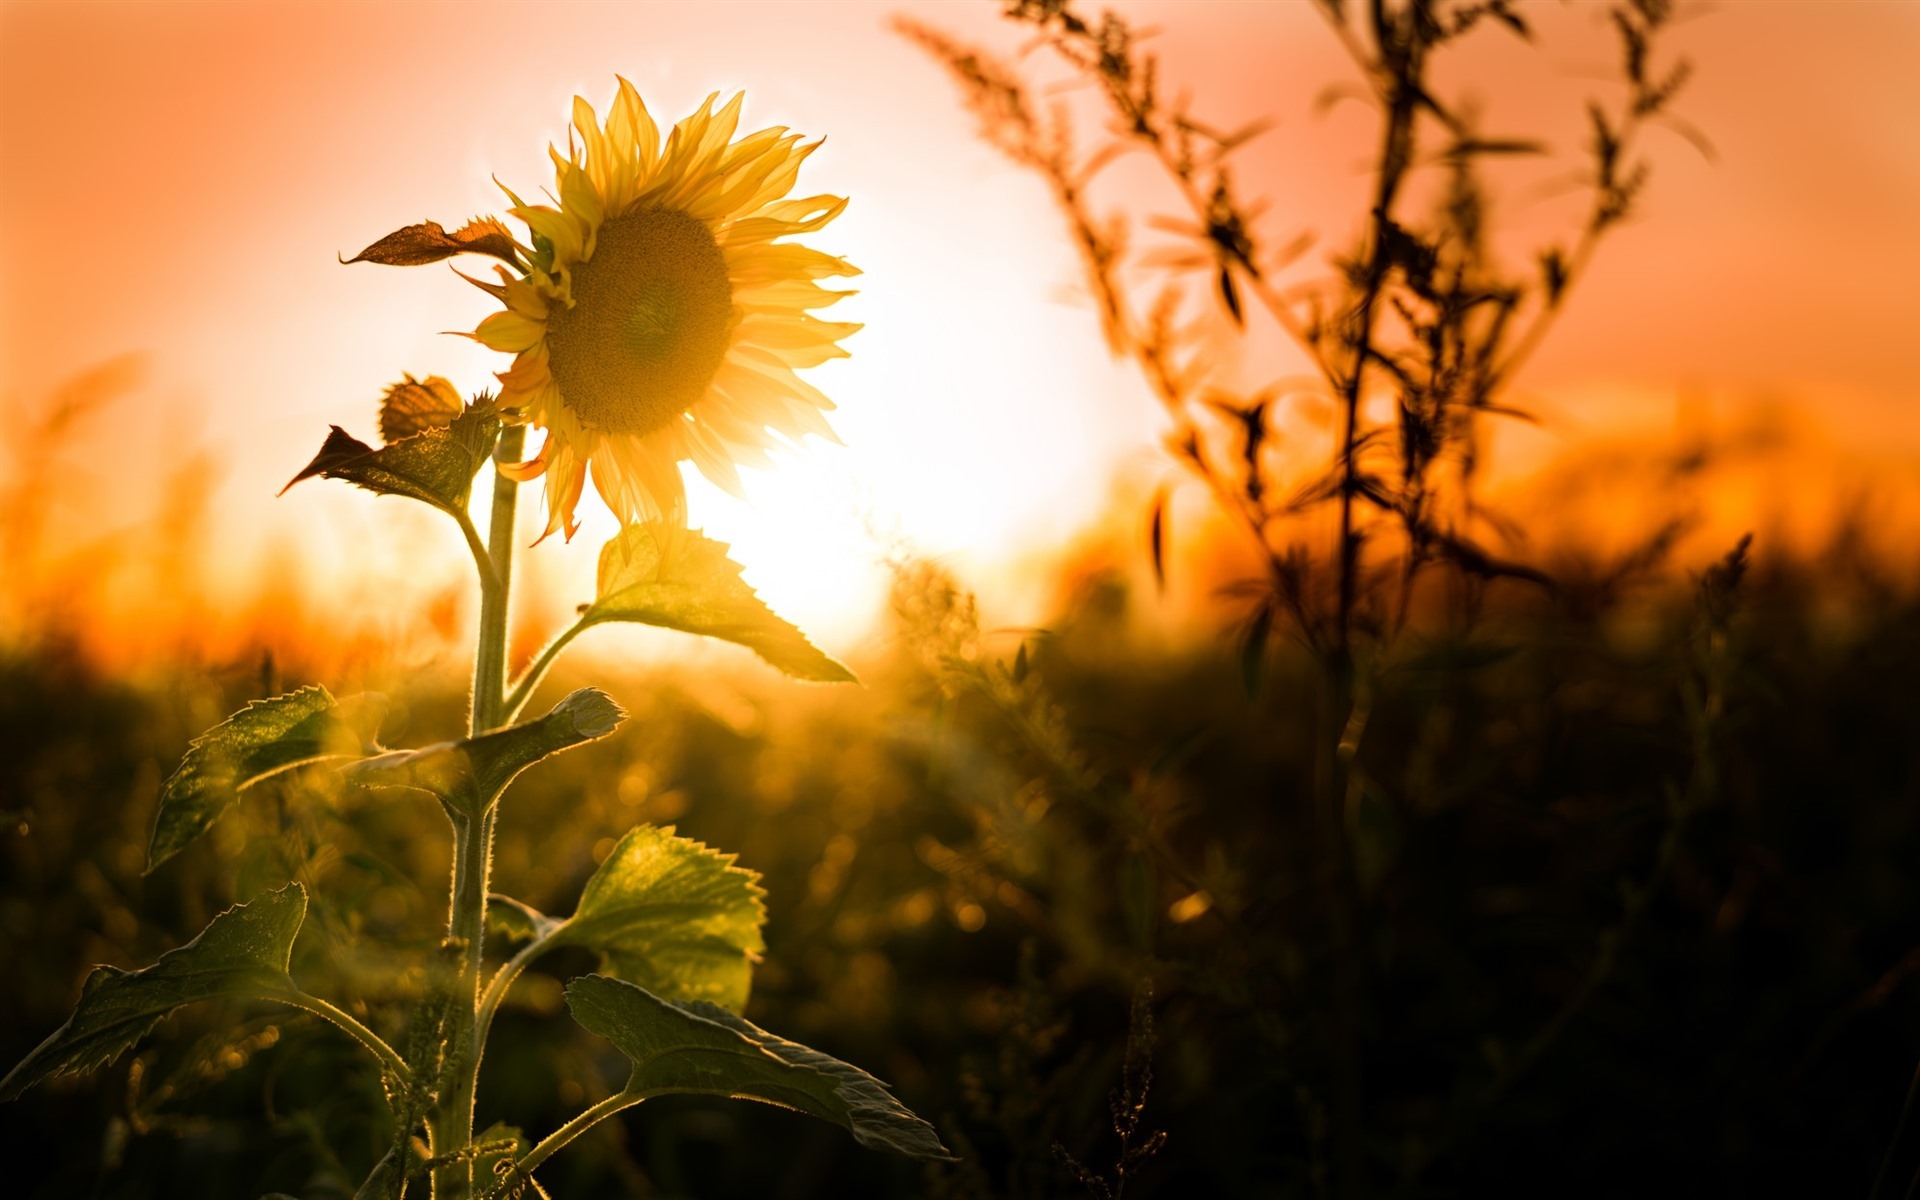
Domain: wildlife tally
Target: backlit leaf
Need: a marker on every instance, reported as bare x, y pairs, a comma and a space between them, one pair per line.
658, 574
242, 953
440, 769
428, 242
261, 740
416, 405
673, 916
705, 1050
582, 716
516, 920
436, 465
473, 771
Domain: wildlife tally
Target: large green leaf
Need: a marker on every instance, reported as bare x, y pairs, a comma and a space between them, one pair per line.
244, 952
261, 740
471, 772
659, 574
435, 465
673, 916
704, 1049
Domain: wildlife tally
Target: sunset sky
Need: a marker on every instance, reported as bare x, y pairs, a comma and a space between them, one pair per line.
179, 177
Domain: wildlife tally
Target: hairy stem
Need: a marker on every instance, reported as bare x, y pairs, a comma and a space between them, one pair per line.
490, 652
482, 561
558, 1139
389, 1058
452, 1122
523, 688
501, 981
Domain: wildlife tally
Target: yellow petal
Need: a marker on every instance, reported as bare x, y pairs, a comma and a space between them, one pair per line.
562, 229
784, 332
787, 295
521, 472
566, 480
509, 332
580, 196
631, 124
710, 456
754, 400
755, 265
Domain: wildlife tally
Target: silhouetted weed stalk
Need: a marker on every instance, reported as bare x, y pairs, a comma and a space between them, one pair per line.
658, 314
1420, 316
1127, 1105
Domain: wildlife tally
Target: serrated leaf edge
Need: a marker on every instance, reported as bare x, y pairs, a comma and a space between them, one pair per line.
758, 1039
729, 865
595, 613
104, 973
196, 745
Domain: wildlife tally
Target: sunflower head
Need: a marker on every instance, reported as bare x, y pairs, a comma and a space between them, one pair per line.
663, 314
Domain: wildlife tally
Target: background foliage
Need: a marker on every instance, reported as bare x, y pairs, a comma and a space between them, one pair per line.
949, 912
1630, 906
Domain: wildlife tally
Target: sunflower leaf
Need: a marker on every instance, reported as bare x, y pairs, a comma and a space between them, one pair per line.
470, 773
516, 920
429, 242
582, 716
440, 769
435, 465
673, 916
658, 574
417, 405
244, 952
261, 740
705, 1050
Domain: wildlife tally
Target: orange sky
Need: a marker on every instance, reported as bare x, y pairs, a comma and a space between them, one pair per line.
178, 177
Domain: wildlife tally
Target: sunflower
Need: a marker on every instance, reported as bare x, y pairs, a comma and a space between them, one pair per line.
662, 317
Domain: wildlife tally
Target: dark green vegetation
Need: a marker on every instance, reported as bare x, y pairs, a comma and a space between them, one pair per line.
1594, 951
1457, 867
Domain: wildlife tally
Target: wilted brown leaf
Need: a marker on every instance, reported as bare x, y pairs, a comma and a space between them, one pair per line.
414, 405
428, 242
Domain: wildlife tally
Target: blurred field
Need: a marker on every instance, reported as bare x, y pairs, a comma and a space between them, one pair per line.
973, 857
1599, 884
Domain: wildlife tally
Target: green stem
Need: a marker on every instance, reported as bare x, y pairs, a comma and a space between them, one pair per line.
490, 652
502, 980
452, 1122
523, 690
388, 1056
466, 929
557, 1140
482, 561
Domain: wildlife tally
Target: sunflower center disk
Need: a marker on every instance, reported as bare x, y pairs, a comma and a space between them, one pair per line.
652, 311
